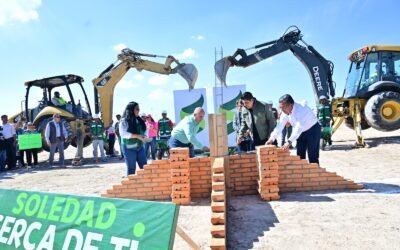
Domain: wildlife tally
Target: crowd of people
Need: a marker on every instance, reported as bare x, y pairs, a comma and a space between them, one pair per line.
140, 137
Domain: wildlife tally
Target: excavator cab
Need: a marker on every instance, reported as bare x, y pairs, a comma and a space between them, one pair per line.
374, 82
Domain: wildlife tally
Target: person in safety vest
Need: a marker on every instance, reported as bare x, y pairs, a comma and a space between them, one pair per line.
325, 114
57, 100
165, 126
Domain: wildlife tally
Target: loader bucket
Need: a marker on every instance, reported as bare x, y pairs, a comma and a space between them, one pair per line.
221, 69
189, 73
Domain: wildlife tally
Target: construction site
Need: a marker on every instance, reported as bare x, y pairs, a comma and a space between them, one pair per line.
314, 167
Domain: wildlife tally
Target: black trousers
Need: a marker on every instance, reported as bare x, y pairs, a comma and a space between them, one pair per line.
29, 153
11, 153
308, 141
111, 143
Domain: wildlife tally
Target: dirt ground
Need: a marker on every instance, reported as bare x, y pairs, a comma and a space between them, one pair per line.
362, 219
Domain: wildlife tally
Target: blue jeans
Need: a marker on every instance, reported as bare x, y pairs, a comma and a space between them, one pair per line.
308, 141
3, 155
133, 155
174, 143
151, 144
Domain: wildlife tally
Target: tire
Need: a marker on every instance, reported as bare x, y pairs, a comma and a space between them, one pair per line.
42, 128
383, 111
364, 124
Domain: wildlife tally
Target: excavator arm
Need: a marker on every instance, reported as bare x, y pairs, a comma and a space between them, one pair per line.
319, 69
105, 83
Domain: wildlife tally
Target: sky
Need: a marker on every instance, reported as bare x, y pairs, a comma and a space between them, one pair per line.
43, 38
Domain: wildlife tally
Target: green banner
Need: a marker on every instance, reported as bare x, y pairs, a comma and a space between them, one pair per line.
35, 220
30, 141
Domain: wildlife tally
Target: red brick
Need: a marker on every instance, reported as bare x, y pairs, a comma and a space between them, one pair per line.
218, 218
218, 231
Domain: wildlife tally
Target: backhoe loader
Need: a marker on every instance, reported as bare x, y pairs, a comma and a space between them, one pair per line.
76, 119
369, 99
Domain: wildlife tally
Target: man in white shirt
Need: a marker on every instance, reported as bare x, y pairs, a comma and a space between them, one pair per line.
305, 128
10, 141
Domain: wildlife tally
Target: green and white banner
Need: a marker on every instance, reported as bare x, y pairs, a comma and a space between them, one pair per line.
35, 220
185, 102
225, 102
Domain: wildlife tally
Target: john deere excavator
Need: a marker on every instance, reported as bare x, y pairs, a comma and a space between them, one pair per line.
74, 117
371, 96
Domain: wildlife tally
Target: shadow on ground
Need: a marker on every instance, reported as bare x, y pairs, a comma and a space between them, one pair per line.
244, 212
256, 217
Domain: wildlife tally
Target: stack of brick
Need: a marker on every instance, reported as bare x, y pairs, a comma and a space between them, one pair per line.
218, 204
180, 176
268, 172
296, 175
151, 183
200, 177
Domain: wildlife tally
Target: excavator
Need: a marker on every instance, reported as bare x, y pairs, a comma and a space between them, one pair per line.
74, 117
372, 93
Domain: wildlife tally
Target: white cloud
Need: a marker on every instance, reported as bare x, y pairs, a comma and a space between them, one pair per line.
198, 37
158, 95
19, 11
158, 80
119, 47
186, 54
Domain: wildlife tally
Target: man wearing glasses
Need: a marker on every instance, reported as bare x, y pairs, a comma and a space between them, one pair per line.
56, 135
306, 129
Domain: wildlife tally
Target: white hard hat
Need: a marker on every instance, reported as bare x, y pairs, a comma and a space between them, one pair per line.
164, 112
322, 97
270, 102
96, 116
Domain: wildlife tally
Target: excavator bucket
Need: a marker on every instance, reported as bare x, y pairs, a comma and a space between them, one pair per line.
221, 69
189, 73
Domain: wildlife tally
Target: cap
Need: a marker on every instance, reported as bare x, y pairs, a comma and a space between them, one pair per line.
149, 115
143, 114
164, 112
29, 124
322, 97
270, 102
96, 116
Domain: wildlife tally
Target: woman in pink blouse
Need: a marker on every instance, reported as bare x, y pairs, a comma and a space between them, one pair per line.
152, 128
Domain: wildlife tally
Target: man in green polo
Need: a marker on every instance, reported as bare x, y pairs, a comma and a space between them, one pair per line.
184, 134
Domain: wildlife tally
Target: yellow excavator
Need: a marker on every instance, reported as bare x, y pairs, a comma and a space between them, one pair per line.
74, 116
372, 94
371, 97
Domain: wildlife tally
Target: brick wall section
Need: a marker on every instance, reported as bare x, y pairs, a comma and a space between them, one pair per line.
243, 174
218, 205
200, 177
151, 183
300, 175
154, 181
268, 173
180, 175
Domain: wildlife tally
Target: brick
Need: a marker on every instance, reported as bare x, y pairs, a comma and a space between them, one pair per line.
218, 244
311, 175
218, 186
336, 178
219, 169
217, 206
218, 231
218, 218
218, 177
162, 197
113, 191
218, 195
182, 201
270, 197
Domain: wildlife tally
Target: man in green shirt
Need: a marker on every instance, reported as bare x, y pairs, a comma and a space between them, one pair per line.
97, 128
184, 134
